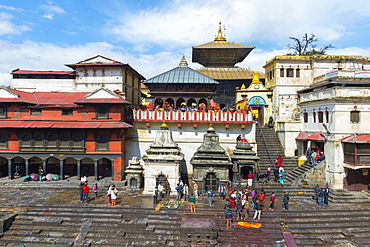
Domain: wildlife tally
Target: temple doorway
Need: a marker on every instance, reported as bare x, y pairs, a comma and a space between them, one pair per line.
245, 171
211, 181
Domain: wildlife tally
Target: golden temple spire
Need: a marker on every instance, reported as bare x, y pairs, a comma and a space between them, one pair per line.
220, 37
164, 125
256, 80
183, 62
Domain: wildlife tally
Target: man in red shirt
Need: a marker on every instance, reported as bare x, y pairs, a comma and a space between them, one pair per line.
85, 193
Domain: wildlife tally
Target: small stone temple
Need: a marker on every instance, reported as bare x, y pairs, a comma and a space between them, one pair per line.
244, 160
162, 161
134, 175
211, 164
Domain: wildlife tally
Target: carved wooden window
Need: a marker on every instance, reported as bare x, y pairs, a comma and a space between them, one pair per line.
101, 112
305, 117
77, 141
35, 111
321, 116
67, 112
3, 112
281, 72
4, 141
52, 141
297, 73
102, 142
289, 72
64, 141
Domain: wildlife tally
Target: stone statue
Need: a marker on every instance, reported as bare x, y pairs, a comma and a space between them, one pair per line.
270, 123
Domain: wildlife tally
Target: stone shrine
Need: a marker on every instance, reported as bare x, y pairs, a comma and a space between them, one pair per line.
134, 175
162, 162
244, 160
211, 164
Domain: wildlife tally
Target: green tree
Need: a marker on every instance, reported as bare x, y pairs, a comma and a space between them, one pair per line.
307, 46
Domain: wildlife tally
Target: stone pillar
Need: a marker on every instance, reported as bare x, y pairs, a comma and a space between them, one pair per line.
78, 169
96, 170
61, 169
10, 170
44, 166
27, 167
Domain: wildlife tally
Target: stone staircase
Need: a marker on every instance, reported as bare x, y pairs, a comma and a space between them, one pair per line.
269, 148
349, 197
295, 176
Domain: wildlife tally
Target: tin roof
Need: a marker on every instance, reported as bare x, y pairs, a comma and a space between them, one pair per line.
182, 74
234, 73
62, 125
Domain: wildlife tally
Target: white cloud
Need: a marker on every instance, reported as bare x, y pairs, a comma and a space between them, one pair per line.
8, 27
194, 22
51, 11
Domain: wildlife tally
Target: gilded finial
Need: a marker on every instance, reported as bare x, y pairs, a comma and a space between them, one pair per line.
255, 80
220, 37
164, 126
183, 62
243, 86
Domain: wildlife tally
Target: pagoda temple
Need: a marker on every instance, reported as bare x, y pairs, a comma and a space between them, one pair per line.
180, 86
219, 58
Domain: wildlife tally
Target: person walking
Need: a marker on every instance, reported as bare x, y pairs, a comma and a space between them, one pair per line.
85, 193
257, 213
210, 196
95, 189
109, 194
229, 218
268, 172
272, 201
192, 202
286, 201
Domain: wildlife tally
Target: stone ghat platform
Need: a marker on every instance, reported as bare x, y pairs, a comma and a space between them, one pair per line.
58, 218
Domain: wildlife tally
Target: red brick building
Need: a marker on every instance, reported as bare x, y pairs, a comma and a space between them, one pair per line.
67, 133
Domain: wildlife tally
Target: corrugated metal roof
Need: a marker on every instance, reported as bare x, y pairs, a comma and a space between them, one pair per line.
229, 73
181, 74
62, 125
215, 44
100, 101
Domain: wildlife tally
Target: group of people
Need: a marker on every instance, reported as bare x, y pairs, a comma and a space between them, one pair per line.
314, 155
321, 195
240, 201
85, 190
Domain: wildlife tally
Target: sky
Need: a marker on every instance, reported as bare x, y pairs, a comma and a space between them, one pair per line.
152, 35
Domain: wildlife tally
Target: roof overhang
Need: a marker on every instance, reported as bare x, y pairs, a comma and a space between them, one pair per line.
318, 136
356, 139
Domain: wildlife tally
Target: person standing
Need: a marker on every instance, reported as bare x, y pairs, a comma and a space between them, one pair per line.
160, 189
238, 139
155, 196
178, 189
17, 170
109, 194
257, 214
313, 158
186, 191
95, 189
229, 218
268, 172
326, 199
321, 197
210, 196
246, 206
250, 179
114, 194
261, 198
195, 188
286, 201
80, 189
239, 208
222, 191
276, 174
85, 193
41, 173
192, 202
272, 201
316, 194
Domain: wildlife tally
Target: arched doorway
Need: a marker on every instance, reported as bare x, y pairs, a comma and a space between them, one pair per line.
245, 171
192, 102
158, 103
133, 183
161, 178
87, 167
18, 161
105, 168
180, 102
170, 103
70, 167
34, 164
53, 165
211, 181
4, 167
203, 102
